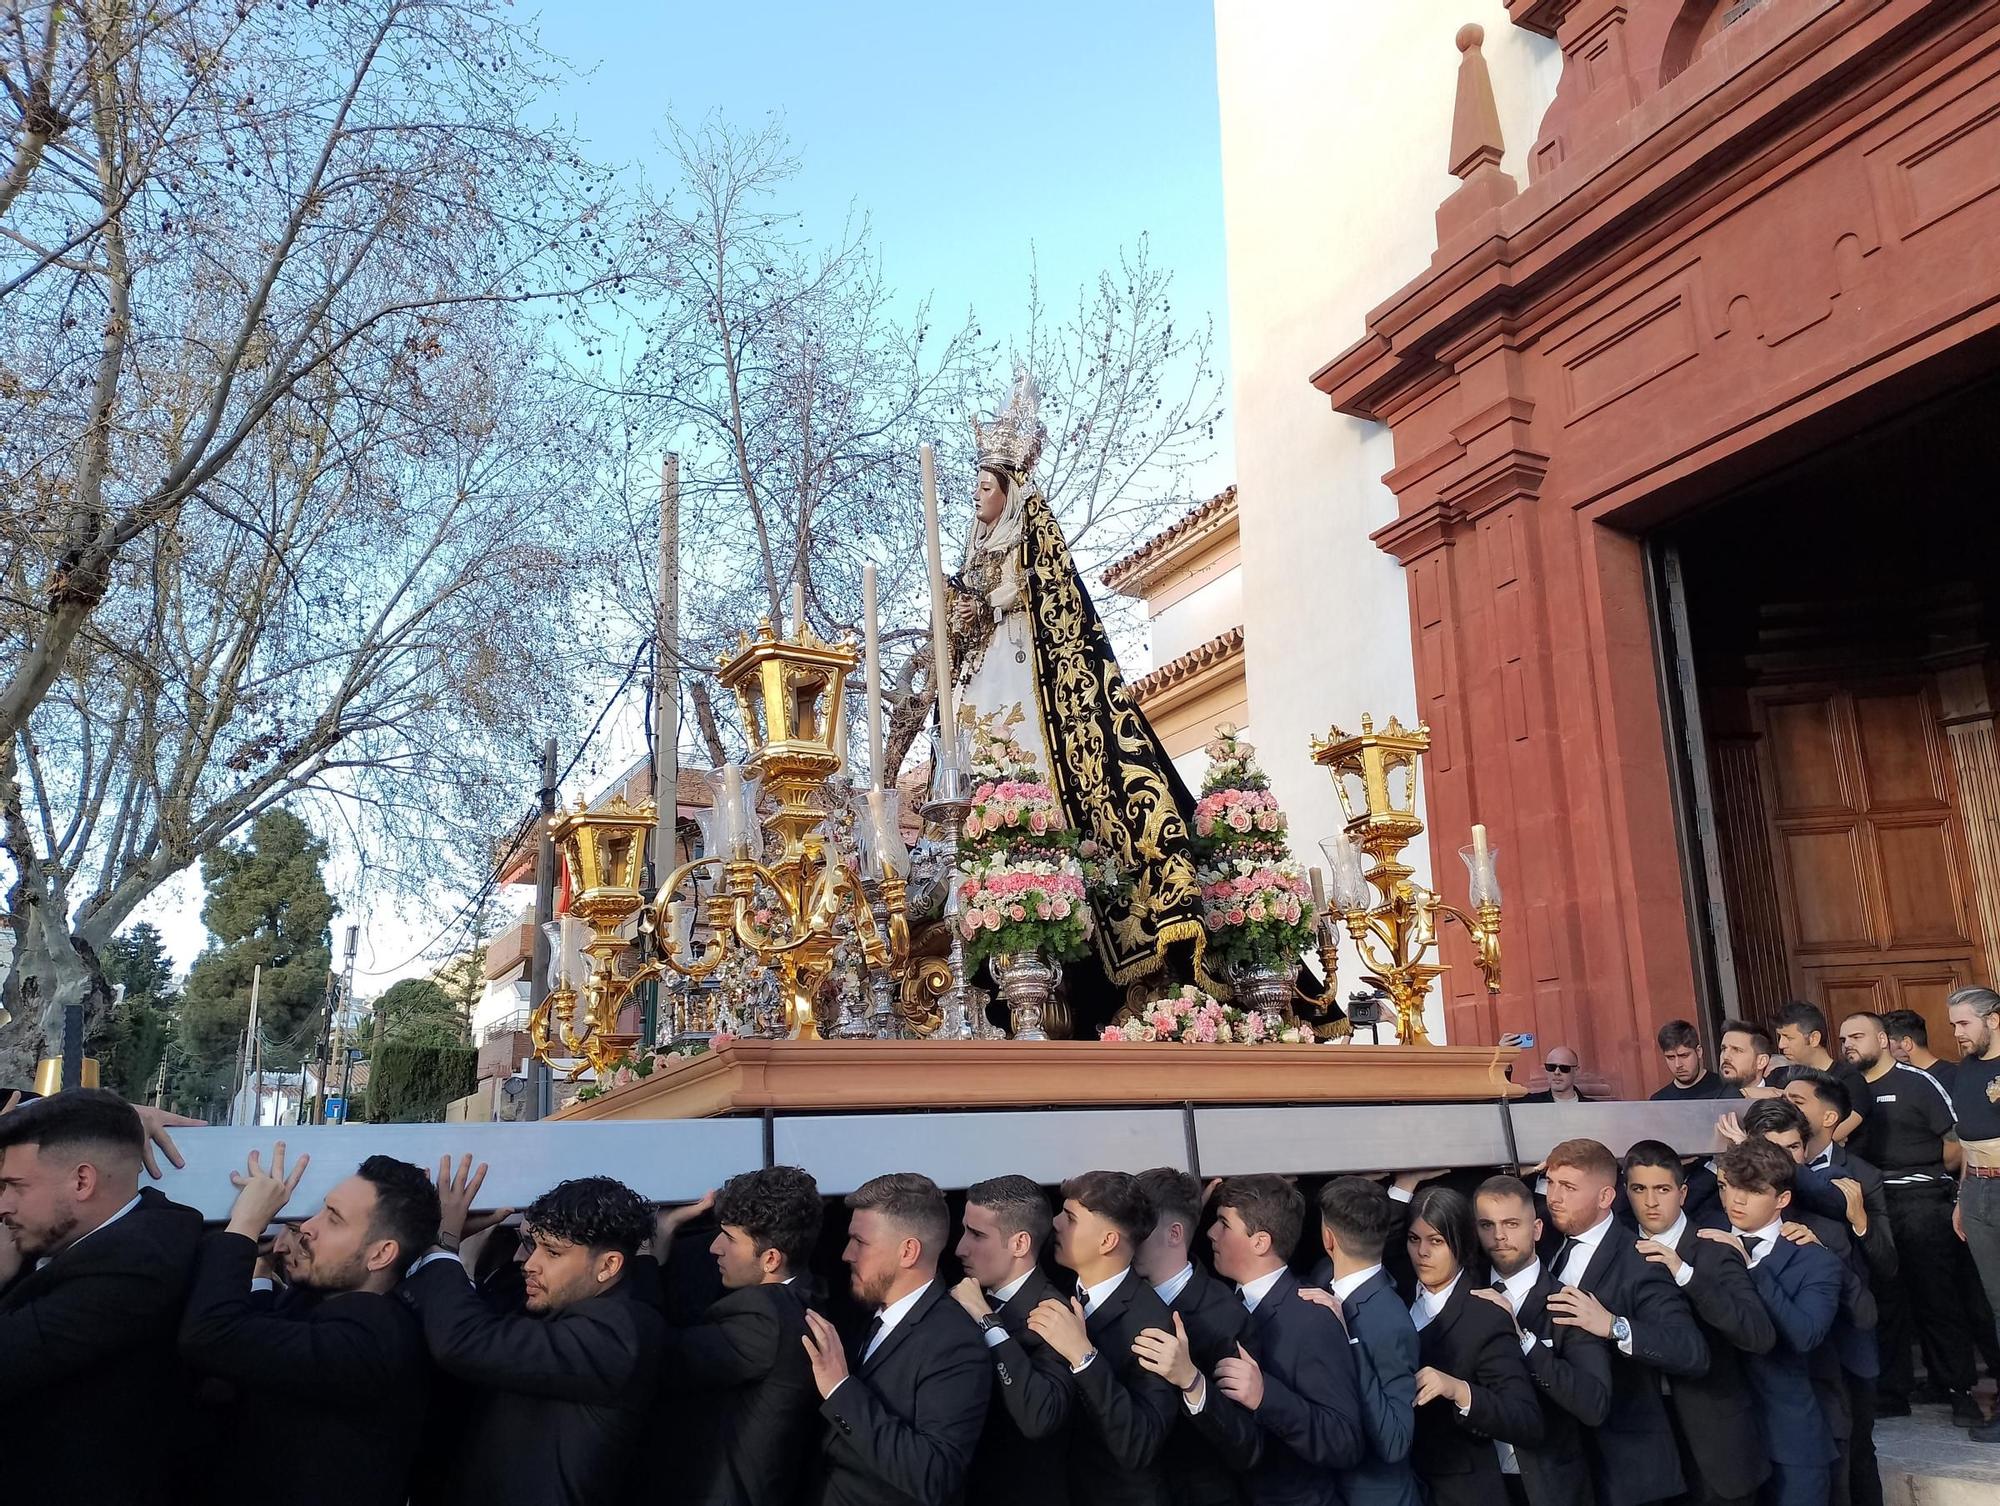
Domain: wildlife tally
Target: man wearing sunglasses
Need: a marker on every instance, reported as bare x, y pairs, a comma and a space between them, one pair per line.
1561, 1066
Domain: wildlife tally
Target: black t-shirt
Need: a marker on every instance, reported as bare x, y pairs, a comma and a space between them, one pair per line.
1905, 1130
1860, 1093
1975, 1096
1943, 1071
1708, 1085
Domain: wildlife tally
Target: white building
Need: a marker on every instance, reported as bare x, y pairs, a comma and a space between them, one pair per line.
1336, 125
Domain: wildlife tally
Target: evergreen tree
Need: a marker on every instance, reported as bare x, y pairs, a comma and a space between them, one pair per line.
420, 1012
134, 1036
267, 906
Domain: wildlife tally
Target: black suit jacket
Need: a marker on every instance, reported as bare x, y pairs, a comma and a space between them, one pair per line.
1384, 1345
1878, 1245
90, 1382
1572, 1374
1720, 1422
902, 1427
1800, 1288
1473, 1341
1202, 1470
1125, 1411
1309, 1424
344, 1378
1634, 1455
578, 1384
738, 1385
1023, 1452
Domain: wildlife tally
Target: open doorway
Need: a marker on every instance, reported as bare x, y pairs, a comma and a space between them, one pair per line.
1833, 654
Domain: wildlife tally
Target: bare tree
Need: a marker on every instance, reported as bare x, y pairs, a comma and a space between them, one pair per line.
797, 388
281, 470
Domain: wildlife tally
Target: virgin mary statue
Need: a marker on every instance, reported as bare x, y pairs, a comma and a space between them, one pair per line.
1025, 634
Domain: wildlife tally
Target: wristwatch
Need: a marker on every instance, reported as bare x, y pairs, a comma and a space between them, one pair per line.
1621, 1331
988, 1323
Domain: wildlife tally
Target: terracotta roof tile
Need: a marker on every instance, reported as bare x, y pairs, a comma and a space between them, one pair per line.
1121, 571
1221, 647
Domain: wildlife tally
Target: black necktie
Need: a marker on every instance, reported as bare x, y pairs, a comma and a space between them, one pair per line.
1501, 1287
1083, 1295
1562, 1257
868, 1338
1753, 1249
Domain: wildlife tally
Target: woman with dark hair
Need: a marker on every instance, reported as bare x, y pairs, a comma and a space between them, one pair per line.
1473, 1390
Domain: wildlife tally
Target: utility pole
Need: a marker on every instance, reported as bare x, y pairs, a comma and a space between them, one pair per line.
666, 710
253, 1045
343, 1001
539, 1105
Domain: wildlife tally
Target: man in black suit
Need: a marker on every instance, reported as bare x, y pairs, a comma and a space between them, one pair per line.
1022, 1453
904, 1412
1844, 1368
737, 1383
1613, 1291
576, 1372
1799, 1286
1199, 1470
1688, 1075
1715, 1414
1293, 1369
89, 1378
1356, 1221
1570, 1367
1126, 1410
342, 1376
1562, 1066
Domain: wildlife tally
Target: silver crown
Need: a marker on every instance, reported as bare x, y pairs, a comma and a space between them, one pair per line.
1012, 442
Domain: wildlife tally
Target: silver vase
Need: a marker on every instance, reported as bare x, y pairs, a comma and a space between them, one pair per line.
1026, 979
1266, 991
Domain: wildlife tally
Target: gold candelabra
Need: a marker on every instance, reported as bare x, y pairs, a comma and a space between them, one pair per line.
1392, 918
787, 910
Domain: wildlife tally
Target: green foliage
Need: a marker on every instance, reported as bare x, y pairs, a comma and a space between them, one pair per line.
411, 1084
420, 1012
134, 1036
267, 906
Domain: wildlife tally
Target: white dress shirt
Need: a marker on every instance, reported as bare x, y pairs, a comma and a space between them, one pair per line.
891, 1315
1515, 1289
1346, 1286
1429, 1303
1672, 1238
1095, 1297
1769, 1236
1252, 1292
1000, 1296
88, 1232
1175, 1284
1582, 1248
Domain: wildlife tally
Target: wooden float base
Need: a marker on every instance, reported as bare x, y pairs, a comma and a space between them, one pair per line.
840, 1076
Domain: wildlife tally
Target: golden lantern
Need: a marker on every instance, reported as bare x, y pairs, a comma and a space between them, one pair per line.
1391, 917
789, 692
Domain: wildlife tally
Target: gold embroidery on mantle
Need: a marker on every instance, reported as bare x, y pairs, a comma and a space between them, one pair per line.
1113, 777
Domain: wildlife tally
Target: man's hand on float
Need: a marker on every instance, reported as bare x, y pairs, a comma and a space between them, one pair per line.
156, 1122
260, 1194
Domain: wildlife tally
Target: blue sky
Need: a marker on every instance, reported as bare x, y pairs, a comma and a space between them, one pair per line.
969, 135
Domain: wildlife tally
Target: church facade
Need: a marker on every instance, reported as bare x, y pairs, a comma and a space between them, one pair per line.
1648, 458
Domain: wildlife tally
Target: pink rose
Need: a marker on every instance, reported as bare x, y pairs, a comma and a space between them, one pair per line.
722, 1038
992, 920
1111, 1033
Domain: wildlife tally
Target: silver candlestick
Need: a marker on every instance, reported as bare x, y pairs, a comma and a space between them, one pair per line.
949, 810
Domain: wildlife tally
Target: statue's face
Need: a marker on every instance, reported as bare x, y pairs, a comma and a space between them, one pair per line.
990, 499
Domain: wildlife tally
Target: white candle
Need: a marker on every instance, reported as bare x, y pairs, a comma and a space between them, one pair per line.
940, 607
798, 607
734, 838
878, 776
568, 950
1479, 844
1319, 890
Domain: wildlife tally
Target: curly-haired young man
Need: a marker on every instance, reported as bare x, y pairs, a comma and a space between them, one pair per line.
576, 1374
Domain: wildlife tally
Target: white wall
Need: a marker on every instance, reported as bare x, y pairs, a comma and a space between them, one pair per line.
1206, 612
1336, 127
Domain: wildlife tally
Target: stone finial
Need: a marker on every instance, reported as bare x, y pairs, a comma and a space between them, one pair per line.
1475, 119
1476, 147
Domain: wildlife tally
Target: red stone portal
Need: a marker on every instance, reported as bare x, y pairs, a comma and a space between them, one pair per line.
1752, 227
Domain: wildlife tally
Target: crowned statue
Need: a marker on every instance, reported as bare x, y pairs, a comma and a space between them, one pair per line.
1026, 639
